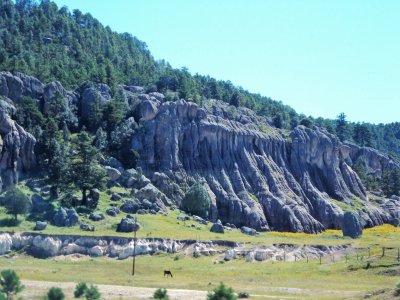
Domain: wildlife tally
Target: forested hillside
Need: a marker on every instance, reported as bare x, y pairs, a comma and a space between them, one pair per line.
52, 43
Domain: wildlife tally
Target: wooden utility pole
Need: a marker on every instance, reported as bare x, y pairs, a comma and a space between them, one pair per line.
134, 247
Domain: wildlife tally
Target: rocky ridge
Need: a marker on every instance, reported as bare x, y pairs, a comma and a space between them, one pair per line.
256, 175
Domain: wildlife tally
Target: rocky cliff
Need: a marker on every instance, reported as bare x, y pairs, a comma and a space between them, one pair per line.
256, 175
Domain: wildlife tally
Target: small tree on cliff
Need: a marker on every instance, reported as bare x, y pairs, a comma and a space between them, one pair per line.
85, 172
197, 201
16, 202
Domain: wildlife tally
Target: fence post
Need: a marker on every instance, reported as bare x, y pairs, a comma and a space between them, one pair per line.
346, 258
383, 251
320, 259
284, 253
369, 252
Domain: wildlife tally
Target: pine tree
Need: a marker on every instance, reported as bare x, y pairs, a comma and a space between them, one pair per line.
342, 129
85, 172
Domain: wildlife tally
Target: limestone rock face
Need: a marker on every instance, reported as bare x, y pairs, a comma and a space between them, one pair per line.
54, 94
90, 94
16, 86
16, 146
257, 176
375, 161
5, 243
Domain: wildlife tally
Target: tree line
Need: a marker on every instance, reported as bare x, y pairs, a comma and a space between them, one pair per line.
52, 43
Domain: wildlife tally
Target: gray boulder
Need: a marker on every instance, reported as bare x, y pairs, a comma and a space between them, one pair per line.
217, 227
115, 197
183, 218
128, 225
153, 195
114, 163
113, 211
40, 225
87, 227
146, 204
66, 217
112, 173
247, 230
200, 220
130, 207
96, 217
351, 225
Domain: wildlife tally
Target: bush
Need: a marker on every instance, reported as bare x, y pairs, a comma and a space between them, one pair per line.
16, 202
397, 290
161, 294
222, 292
80, 289
10, 283
197, 201
243, 295
55, 294
92, 293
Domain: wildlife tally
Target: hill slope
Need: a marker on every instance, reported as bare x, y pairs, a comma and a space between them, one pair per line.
52, 43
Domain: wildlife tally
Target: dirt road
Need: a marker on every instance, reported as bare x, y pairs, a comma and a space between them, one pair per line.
37, 289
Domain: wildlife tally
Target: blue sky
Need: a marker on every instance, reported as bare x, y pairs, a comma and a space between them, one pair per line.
320, 57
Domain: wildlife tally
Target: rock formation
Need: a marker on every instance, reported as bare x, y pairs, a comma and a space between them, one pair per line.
256, 175
259, 177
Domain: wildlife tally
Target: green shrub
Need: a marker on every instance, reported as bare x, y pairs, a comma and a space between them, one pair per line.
55, 294
80, 289
16, 202
161, 294
197, 201
10, 283
92, 293
222, 292
397, 290
243, 295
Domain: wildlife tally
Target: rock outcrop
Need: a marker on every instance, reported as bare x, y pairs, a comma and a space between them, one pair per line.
43, 246
351, 225
256, 175
260, 178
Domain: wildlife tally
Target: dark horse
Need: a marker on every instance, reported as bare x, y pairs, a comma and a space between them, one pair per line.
167, 273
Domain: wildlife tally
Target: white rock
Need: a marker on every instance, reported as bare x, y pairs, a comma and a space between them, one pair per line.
73, 248
50, 246
230, 254
96, 251
5, 243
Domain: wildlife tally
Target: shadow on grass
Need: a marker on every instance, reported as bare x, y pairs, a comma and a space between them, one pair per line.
9, 222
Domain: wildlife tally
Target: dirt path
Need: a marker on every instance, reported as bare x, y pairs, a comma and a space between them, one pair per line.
37, 289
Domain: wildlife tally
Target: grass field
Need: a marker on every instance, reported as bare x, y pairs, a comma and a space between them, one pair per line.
292, 280
169, 227
329, 280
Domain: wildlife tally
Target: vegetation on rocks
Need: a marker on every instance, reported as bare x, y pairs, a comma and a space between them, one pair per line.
196, 200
